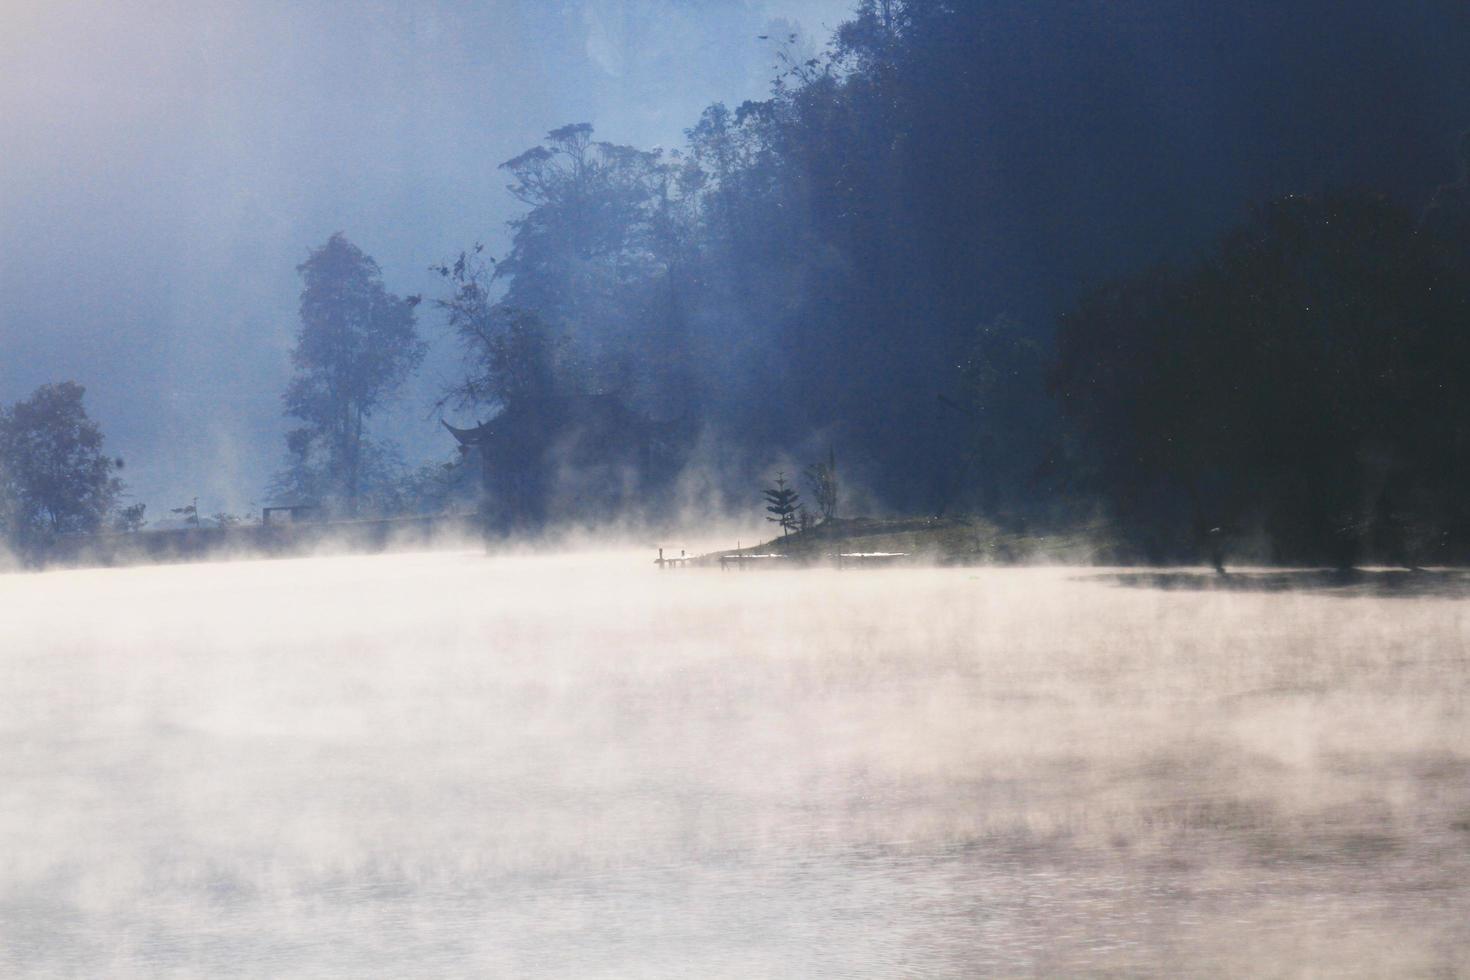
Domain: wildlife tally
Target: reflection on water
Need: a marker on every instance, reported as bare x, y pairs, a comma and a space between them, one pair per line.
444, 765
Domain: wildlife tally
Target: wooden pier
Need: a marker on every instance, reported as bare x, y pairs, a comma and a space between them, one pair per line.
741, 560
671, 562
864, 558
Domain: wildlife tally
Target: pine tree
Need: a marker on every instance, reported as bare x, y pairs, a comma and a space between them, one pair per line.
783, 502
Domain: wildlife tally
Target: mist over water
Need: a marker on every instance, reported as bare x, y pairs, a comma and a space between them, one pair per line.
452, 765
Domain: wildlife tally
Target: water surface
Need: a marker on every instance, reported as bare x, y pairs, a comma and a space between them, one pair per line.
576, 766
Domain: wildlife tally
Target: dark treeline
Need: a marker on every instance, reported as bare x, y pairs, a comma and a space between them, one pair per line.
930, 239
1198, 268
1302, 388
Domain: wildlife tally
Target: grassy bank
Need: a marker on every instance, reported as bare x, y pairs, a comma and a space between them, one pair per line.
936, 540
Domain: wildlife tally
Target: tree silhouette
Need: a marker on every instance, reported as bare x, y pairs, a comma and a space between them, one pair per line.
129, 519
356, 345
54, 477
783, 503
1306, 368
510, 355
821, 479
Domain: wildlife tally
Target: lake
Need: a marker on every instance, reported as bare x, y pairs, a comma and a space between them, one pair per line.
448, 764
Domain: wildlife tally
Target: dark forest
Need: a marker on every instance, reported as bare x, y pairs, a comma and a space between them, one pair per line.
1197, 274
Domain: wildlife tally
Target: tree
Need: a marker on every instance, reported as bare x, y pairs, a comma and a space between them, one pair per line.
1448, 214
822, 481
56, 478
605, 255
588, 228
436, 488
356, 345
783, 502
129, 519
1006, 414
510, 354
1307, 368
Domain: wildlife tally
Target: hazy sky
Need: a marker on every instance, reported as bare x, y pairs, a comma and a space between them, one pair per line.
165, 166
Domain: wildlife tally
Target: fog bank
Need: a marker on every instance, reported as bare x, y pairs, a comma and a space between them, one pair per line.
575, 765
